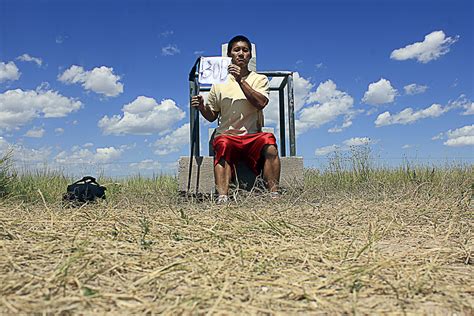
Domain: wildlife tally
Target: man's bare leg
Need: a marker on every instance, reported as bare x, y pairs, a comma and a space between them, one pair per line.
222, 176
271, 168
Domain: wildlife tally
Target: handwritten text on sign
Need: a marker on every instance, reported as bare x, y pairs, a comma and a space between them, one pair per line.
213, 69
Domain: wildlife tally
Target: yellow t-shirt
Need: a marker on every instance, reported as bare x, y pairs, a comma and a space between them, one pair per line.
237, 115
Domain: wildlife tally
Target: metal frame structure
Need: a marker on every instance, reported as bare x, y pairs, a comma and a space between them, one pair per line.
195, 89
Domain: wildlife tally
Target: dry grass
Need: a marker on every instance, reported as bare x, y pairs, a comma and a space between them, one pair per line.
343, 252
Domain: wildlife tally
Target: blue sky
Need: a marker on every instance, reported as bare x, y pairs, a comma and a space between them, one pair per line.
103, 84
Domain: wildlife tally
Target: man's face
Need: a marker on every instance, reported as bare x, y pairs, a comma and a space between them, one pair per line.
240, 54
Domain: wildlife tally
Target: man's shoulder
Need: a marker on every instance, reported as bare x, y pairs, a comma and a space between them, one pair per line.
257, 75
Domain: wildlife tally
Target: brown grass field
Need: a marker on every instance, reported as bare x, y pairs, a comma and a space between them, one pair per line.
369, 247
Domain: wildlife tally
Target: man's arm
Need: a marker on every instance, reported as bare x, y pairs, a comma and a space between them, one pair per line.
257, 99
198, 102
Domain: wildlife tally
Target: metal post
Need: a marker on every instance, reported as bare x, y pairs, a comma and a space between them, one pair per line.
291, 115
194, 123
282, 118
194, 112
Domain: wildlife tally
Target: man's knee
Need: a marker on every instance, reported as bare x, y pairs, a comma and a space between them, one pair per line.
270, 152
221, 163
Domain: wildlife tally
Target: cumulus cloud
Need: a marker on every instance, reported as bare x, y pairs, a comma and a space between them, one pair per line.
101, 80
435, 45
414, 88
22, 154
28, 58
328, 104
107, 154
463, 136
346, 145
36, 132
173, 142
380, 92
143, 116
9, 72
85, 155
302, 88
170, 50
408, 115
312, 108
18, 107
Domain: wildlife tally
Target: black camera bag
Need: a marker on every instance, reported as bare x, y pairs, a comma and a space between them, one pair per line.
84, 190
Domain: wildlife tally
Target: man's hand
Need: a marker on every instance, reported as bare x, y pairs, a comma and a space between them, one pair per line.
197, 102
234, 70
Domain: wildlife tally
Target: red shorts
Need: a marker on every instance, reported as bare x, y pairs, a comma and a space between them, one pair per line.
247, 148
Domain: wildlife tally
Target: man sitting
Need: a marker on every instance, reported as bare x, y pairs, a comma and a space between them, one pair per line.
240, 102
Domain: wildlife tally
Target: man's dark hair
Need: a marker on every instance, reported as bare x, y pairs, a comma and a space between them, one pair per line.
238, 38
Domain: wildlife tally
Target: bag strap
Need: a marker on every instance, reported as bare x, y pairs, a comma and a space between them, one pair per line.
86, 179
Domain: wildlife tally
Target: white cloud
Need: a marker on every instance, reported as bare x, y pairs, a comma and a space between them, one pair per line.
414, 89
357, 141
170, 50
61, 38
85, 155
338, 129
302, 88
312, 108
322, 151
107, 154
9, 71
330, 104
407, 146
435, 45
146, 164
23, 154
380, 92
18, 107
166, 33
101, 80
173, 142
463, 103
59, 131
463, 136
408, 115
26, 57
345, 146
36, 132
469, 109
143, 116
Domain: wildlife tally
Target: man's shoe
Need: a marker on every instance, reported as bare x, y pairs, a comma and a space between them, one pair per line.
275, 195
222, 199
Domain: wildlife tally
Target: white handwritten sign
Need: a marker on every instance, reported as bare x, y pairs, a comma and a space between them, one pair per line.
213, 69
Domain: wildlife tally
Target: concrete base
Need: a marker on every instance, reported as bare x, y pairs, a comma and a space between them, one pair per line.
202, 174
